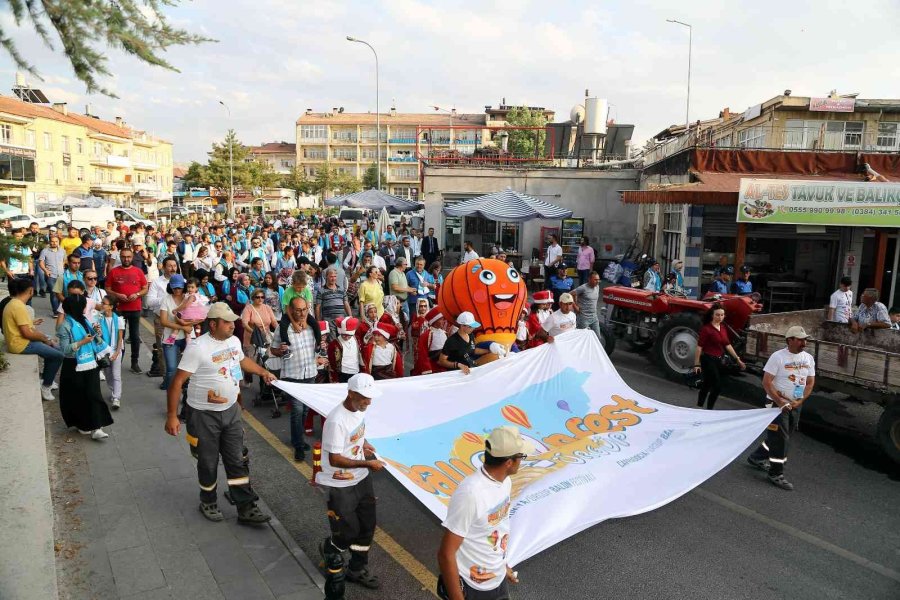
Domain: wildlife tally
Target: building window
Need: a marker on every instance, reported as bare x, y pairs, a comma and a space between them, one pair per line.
752, 137
48, 141
6, 133
50, 174
65, 173
287, 163
314, 132
405, 174
29, 138
887, 137
315, 153
98, 149
79, 145
344, 154
346, 135
843, 135
65, 143
16, 168
79, 174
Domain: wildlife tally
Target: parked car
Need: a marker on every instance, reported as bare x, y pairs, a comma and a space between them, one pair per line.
54, 218
86, 217
171, 212
21, 220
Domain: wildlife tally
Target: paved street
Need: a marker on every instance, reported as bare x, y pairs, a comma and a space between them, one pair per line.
836, 536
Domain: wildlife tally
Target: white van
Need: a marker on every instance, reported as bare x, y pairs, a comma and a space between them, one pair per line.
84, 217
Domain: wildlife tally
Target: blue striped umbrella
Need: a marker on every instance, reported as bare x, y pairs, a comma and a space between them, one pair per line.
375, 200
508, 205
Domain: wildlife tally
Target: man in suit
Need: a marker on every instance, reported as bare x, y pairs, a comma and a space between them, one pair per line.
388, 253
430, 249
405, 250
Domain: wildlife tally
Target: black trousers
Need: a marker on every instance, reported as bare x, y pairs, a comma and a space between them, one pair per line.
775, 446
133, 325
351, 516
214, 433
711, 368
501, 592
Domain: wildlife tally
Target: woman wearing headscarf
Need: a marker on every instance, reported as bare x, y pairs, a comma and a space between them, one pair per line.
80, 398
367, 323
381, 358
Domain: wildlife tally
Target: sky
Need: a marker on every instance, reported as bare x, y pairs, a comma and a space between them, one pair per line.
275, 58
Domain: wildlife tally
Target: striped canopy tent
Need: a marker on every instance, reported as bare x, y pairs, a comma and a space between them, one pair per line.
508, 205
375, 200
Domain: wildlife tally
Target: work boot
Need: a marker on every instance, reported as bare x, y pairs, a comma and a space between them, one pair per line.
251, 514
363, 577
211, 511
780, 482
155, 370
136, 368
762, 465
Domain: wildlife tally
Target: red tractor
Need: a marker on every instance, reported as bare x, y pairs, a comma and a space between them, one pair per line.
669, 323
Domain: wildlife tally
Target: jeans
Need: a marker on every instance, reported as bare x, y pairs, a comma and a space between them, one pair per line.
298, 415
171, 352
53, 358
133, 325
54, 301
40, 281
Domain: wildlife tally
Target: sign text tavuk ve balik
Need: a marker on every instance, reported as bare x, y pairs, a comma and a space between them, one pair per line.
801, 202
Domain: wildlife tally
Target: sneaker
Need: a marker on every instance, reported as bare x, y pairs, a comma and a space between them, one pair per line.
46, 393
99, 434
102, 376
136, 368
211, 512
83, 432
299, 455
115, 404
762, 465
781, 482
54, 386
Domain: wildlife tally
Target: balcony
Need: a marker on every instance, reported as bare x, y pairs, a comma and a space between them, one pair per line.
344, 158
145, 166
406, 159
113, 187
412, 175
402, 140
110, 160
344, 139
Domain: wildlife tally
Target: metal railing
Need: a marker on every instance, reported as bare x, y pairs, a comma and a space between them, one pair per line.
827, 137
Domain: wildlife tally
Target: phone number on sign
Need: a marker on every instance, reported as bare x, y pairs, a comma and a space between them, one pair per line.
810, 210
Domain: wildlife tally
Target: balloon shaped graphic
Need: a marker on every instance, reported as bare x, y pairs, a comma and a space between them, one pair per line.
492, 291
516, 415
471, 437
564, 405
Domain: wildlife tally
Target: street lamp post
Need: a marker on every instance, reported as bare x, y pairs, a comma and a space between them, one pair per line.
687, 114
449, 131
230, 167
377, 111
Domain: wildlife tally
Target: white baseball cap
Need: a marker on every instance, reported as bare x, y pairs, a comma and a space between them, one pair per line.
363, 384
467, 319
221, 310
506, 441
796, 332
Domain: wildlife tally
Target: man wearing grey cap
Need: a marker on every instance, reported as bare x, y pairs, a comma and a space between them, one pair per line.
216, 364
472, 556
790, 374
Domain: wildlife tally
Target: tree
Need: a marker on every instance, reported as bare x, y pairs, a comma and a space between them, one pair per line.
525, 143
298, 181
86, 29
330, 180
195, 176
262, 175
217, 172
370, 178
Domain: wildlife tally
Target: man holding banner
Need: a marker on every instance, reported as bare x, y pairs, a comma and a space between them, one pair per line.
473, 550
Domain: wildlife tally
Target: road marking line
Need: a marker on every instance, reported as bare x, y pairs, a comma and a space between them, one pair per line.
400, 555
801, 535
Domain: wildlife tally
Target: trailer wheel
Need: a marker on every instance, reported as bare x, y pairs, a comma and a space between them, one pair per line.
888, 432
676, 345
607, 339
62, 226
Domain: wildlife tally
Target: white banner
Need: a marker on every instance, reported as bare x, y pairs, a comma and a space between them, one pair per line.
603, 450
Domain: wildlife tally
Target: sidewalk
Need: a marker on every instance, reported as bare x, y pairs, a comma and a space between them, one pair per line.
127, 523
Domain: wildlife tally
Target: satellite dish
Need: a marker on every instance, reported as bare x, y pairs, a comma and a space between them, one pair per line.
577, 114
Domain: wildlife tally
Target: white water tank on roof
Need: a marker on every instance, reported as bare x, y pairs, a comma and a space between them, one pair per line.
595, 110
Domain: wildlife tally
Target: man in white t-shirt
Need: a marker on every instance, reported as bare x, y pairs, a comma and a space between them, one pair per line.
347, 459
840, 306
553, 257
472, 556
560, 321
215, 364
468, 252
790, 374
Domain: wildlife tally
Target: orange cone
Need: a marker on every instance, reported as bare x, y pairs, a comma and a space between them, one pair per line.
317, 462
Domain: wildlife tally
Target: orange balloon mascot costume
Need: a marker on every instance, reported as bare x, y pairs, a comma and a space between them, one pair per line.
492, 291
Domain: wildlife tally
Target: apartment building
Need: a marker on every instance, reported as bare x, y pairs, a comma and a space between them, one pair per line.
348, 142
48, 154
281, 156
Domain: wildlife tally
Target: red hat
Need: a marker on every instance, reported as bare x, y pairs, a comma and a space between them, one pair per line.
434, 315
323, 325
346, 325
542, 297
388, 331
526, 308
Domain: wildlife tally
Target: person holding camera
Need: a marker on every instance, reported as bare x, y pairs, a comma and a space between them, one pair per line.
711, 348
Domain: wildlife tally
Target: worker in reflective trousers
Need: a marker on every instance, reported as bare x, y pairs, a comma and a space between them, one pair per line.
790, 374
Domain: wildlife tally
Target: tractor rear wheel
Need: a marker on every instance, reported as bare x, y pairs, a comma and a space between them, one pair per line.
889, 430
676, 344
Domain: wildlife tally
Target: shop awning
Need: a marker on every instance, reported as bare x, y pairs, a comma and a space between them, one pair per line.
717, 188
508, 205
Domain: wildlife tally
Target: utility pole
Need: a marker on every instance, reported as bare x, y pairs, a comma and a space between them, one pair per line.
230, 165
687, 114
377, 111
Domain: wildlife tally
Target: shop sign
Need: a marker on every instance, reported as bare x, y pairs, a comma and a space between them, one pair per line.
832, 104
805, 202
16, 151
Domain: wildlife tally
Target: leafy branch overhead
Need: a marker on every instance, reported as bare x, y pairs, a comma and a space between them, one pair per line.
87, 28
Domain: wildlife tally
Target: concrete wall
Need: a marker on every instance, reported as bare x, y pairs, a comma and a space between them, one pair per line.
592, 195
